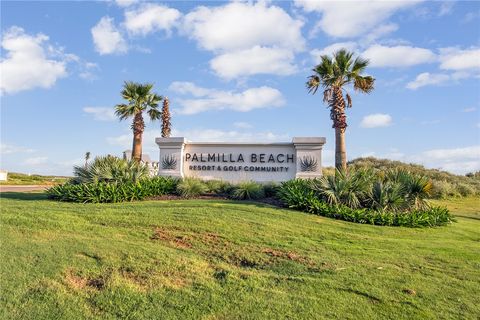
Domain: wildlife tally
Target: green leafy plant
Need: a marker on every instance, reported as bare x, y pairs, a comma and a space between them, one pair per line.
308, 164
219, 187
103, 192
110, 169
169, 162
248, 190
191, 187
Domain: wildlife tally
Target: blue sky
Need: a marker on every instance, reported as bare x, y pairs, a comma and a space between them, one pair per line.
235, 71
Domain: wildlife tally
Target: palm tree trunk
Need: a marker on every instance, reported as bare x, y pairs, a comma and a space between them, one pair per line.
340, 124
340, 150
138, 126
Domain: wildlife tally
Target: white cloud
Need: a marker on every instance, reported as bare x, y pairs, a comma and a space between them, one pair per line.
471, 153
247, 38
101, 114
28, 62
331, 49
211, 99
460, 60
472, 109
239, 25
446, 8
351, 19
151, 17
257, 60
376, 120
125, 3
398, 56
426, 79
242, 125
11, 149
107, 38
35, 161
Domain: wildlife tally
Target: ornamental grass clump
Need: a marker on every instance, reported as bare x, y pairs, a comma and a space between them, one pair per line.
248, 190
191, 187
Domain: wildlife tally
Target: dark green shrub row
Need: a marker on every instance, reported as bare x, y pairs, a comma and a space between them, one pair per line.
300, 195
102, 192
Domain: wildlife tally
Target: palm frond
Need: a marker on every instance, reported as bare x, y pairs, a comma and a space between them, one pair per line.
364, 84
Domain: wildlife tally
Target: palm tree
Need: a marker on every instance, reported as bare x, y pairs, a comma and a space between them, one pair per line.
87, 157
140, 99
166, 124
333, 74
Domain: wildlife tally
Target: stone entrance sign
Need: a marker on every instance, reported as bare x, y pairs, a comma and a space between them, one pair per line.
262, 162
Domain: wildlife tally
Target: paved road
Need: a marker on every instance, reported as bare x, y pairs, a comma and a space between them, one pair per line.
18, 188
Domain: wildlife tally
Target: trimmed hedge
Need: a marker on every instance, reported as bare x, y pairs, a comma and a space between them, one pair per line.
103, 192
299, 195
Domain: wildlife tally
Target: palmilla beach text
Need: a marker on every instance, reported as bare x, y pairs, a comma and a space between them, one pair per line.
253, 158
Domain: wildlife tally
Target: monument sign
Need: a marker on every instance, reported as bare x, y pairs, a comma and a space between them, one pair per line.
262, 162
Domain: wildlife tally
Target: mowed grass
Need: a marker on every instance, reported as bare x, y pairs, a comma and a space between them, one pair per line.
229, 260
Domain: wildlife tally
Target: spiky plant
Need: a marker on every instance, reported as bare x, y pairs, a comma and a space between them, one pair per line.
308, 164
333, 74
166, 124
110, 169
169, 162
139, 98
343, 188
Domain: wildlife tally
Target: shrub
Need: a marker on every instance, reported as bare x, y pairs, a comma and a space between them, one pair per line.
110, 169
102, 192
247, 190
345, 188
442, 189
219, 187
383, 205
191, 187
271, 189
465, 190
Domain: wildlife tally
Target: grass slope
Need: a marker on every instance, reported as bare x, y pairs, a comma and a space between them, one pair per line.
228, 260
32, 179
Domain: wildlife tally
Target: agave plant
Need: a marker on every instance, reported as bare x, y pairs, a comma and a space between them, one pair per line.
308, 164
110, 169
169, 162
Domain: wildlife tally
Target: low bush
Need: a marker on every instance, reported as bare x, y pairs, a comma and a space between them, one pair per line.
219, 187
271, 189
103, 192
302, 195
191, 187
247, 190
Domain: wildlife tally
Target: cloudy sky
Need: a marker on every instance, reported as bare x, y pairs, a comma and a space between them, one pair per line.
236, 71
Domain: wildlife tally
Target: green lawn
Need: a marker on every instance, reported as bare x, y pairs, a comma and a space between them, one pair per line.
229, 260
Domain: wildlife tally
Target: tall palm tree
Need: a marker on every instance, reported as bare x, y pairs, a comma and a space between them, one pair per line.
139, 98
333, 74
166, 123
87, 157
